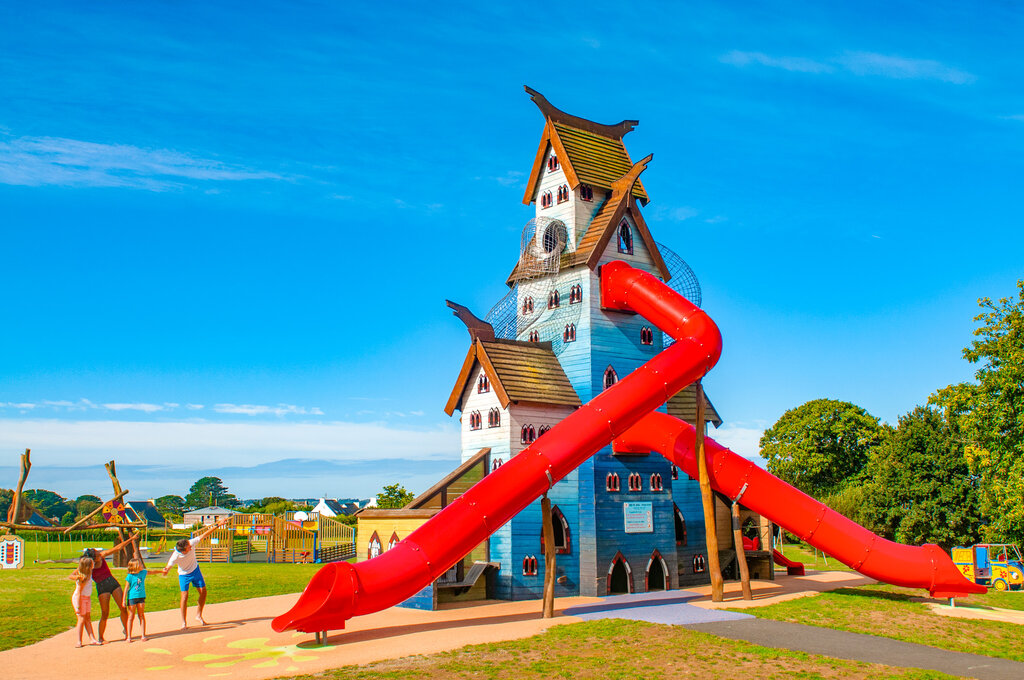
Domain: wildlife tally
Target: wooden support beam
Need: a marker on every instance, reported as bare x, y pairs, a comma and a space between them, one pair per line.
26, 465
121, 558
741, 555
32, 527
94, 512
549, 558
708, 502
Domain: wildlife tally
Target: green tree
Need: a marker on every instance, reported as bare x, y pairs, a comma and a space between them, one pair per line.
6, 498
68, 519
918, 488
170, 506
988, 416
394, 496
820, 446
49, 504
209, 491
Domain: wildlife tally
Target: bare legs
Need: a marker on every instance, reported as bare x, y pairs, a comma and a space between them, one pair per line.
85, 623
199, 607
105, 612
138, 610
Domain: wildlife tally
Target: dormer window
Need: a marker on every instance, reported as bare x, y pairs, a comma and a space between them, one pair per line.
646, 336
625, 238
563, 193
553, 162
534, 336
586, 192
575, 294
475, 422
610, 377
483, 384
494, 418
553, 299
545, 200
570, 333
527, 305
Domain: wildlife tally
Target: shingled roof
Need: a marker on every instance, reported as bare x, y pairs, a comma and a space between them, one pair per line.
588, 152
605, 223
684, 405
518, 371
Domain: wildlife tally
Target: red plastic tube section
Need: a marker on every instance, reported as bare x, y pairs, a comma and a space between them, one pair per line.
340, 591
926, 566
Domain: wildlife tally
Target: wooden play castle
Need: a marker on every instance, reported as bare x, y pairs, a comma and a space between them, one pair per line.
622, 522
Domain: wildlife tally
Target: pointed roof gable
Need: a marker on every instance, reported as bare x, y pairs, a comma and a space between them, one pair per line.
588, 152
605, 224
518, 371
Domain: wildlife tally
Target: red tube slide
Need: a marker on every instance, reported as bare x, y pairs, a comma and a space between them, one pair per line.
340, 591
926, 566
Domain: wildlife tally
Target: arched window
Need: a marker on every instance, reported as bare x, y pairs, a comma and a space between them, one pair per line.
373, 548
528, 434
563, 193
700, 564
542, 430
570, 333
586, 192
575, 294
495, 464
675, 472
625, 238
494, 418
483, 384
656, 484
475, 421
610, 377
611, 481
530, 565
534, 336
394, 541
560, 527
620, 576
527, 305
553, 299
656, 577
546, 200
646, 336
553, 162
680, 526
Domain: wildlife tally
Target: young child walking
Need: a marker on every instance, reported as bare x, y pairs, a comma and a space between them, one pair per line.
81, 599
135, 597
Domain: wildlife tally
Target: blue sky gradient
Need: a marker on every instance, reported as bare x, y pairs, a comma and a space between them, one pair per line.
228, 230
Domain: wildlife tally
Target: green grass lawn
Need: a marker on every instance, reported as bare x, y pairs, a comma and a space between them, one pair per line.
889, 611
38, 598
614, 649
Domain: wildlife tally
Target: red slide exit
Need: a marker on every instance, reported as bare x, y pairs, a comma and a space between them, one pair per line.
342, 590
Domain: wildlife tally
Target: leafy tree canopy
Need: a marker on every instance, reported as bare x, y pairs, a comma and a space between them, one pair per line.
394, 496
49, 504
89, 497
209, 491
987, 417
170, 505
820, 446
918, 488
6, 498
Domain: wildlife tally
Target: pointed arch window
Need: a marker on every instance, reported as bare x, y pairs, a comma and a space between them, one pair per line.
394, 541
656, 483
528, 305
475, 421
700, 564
553, 299
586, 192
680, 525
575, 294
483, 384
545, 200
528, 434
675, 472
611, 481
610, 377
563, 193
534, 336
496, 463
543, 429
562, 536
373, 548
646, 336
636, 482
656, 577
553, 162
530, 565
620, 576
494, 418
625, 238
569, 335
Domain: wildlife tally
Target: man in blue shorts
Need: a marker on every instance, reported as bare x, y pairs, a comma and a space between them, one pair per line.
188, 571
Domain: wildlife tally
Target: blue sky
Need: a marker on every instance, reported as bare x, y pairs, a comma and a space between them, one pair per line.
227, 231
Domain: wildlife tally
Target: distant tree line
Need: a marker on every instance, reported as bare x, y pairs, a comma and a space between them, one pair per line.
950, 472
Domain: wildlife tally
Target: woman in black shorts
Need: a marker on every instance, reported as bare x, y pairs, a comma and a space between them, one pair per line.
107, 586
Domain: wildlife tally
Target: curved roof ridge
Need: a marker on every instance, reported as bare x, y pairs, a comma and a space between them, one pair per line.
616, 131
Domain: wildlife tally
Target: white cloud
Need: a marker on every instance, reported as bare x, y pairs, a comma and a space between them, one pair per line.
798, 64
260, 410
145, 408
39, 161
205, 444
902, 68
857, 63
23, 406
193, 407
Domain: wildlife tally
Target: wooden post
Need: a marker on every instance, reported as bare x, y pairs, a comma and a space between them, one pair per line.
708, 502
26, 465
94, 512
549, 558
741, 556
121, 558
